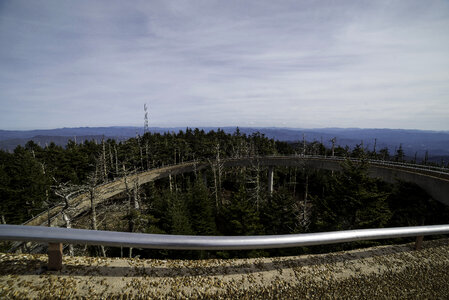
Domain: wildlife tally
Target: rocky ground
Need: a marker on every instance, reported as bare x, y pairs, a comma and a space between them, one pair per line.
392, 272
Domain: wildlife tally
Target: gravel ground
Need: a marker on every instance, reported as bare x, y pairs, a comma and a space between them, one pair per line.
391, 272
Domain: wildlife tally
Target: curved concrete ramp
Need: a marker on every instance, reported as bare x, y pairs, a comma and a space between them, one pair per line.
111, 189
434, 181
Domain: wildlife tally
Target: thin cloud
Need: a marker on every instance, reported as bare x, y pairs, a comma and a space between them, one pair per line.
262, 63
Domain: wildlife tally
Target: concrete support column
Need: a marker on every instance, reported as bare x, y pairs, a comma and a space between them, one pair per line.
270, 179
54, 256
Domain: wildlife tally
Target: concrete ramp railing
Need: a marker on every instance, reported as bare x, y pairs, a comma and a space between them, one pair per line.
56, 236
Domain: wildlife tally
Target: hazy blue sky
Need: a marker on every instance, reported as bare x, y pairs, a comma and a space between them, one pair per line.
369, 64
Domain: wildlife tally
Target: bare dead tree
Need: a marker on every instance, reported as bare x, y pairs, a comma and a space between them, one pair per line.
93, 181
195, 167
215, 186
334, 140
104, 161
147, 154
243, 149
217, 170
252, 149
306, 192
130, 225
139, 143
254, 182
303, 144
136, 194
132, 201
128, 191
301, 209
67, 191
111, 157
48, 204
116, 161
305, 222
220, 167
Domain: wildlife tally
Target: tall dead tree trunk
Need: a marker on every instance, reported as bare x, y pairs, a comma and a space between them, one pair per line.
254, 183
217, 170
147, 155
111, 158
305, 214
333, 146
306, 192
92, 183
47, 202
141, 152
105, 169
68, 224
136, 195
303, 144
128, 193
47, 199
94, 217
116, 161
66, 191
214, 172
170, 182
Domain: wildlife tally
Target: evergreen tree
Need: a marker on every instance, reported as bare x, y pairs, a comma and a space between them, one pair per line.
277, 215
412, 206
353, 201
399, 157
358, 151
240, 217
201, 209
180, 223
384, 154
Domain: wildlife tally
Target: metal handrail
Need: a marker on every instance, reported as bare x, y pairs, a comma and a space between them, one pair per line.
373, 161
189, 242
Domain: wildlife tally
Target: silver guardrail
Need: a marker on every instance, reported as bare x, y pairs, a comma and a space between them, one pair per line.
188, 242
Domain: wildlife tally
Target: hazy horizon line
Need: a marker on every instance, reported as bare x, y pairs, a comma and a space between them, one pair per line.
229, 126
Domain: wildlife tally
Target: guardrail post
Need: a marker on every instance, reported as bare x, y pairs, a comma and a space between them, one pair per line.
418, 243
55, 256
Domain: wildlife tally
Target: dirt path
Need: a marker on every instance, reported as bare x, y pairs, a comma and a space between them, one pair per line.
378, 272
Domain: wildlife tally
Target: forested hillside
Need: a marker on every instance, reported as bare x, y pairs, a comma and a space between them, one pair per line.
416, 144
218, 201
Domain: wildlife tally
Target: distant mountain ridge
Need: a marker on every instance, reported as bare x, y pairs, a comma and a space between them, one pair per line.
413, 141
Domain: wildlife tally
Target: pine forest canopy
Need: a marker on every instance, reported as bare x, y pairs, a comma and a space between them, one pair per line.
231, 201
